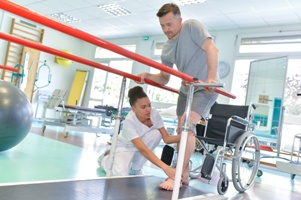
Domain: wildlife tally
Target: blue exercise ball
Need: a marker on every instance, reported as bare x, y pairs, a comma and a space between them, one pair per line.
15, 116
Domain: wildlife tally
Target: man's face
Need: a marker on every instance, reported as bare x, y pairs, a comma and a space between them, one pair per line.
171, 25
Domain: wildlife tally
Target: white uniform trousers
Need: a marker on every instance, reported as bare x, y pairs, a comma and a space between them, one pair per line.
130, 159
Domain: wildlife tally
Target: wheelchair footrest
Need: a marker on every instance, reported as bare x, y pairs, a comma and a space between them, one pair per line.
167, 154
207, 167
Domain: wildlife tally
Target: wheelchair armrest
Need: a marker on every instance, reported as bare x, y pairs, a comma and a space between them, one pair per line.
249, 125
239, 120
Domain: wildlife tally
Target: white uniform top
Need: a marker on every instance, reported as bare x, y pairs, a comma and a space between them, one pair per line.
133, 128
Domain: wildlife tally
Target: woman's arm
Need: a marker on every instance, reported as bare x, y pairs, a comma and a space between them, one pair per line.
169, 139
149, 155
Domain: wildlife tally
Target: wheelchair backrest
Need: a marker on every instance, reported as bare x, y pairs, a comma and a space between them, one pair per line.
217, 124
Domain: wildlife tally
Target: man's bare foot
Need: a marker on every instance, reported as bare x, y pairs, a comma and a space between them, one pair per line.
168, 184
185, 181
185, 176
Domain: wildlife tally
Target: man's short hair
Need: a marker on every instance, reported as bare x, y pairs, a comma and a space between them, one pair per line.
167, 8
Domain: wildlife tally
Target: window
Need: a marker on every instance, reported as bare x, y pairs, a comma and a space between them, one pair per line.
271, 44
158, 48
275, 46
292, 102
104, 53
98, 84
239, 86
106, 86
255, 48
157, 94
160, 95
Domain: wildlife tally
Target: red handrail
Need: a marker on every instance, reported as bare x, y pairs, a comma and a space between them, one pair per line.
50, 50
9, 68
34, 16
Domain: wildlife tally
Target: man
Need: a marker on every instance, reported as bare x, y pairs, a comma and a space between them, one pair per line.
191, 48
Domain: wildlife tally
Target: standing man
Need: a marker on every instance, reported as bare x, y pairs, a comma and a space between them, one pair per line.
191, 48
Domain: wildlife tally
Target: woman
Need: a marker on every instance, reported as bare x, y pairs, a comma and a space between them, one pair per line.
142, 131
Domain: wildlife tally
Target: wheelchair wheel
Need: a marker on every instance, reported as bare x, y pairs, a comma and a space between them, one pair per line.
222, 185
259, 173
245, 161
43, 129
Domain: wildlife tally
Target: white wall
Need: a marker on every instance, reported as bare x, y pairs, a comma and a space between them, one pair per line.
144, 48
5, 27
62, 77
225, 42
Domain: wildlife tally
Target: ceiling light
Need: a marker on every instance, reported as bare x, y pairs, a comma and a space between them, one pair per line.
188, 2
114, 9
65, 18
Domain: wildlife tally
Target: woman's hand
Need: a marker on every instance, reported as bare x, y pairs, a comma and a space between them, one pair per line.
170, 172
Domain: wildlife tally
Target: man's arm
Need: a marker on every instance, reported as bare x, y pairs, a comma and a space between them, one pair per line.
161, 78
212, 59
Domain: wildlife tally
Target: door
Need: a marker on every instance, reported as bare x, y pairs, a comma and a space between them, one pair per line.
30, 60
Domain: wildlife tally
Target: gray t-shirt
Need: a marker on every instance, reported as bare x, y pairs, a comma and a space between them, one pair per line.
186, 52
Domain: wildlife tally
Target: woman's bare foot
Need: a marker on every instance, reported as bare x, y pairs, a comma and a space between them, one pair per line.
168, 184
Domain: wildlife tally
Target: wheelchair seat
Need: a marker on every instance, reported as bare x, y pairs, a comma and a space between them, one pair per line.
223, 125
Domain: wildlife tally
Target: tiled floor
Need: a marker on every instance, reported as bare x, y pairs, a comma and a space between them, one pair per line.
50, 156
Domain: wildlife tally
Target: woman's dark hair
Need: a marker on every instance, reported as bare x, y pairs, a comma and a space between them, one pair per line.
136, 93
167, 8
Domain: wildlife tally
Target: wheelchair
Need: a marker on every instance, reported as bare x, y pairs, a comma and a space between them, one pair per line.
226, 137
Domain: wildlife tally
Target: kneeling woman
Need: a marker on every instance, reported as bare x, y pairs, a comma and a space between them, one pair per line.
142, 131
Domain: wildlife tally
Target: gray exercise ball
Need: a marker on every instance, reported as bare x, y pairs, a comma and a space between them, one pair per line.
15, 116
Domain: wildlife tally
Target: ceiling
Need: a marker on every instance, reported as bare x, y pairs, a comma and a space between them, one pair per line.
216, 15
